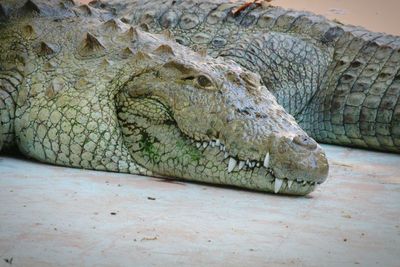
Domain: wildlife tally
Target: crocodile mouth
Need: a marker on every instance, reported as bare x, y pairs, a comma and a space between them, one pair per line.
282, 185
158, 143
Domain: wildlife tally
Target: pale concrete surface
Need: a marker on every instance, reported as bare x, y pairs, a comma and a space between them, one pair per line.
54, 216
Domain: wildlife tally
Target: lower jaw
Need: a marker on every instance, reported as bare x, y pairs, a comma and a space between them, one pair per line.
215, 172
286, 188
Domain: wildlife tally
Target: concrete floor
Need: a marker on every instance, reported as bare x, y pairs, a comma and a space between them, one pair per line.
54, 216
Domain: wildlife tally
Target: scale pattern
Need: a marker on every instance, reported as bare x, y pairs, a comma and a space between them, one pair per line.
341, 83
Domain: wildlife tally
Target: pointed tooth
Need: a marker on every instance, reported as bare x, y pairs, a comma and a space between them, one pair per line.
277, 185
205, 144
258, 164
217, 142
290, 182
212, 143
299, 180
226, 155
253, 164
241, 165
198, 144
248, 163
231, 164
305, 182
266, 161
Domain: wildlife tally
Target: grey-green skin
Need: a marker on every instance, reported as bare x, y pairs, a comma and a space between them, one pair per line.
80, 90
341, 83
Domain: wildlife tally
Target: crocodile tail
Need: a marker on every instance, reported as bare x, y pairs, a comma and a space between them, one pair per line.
358, 102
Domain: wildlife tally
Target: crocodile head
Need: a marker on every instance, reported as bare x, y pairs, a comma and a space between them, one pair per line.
194, 117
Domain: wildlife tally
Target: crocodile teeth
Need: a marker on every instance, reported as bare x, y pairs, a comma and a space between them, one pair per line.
217, 142
266, 161
305, 182
226, 155
278, 185
198, 144
241, 165
231, 164
205, 144
290, 182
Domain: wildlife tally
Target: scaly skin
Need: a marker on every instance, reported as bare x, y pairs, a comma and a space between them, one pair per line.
99, 94
341, 83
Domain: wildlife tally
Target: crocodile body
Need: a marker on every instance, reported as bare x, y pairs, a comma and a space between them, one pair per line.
80, 88
341, 83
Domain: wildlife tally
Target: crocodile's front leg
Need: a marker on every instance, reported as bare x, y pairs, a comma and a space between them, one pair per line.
8, 91
12, 56
76, 128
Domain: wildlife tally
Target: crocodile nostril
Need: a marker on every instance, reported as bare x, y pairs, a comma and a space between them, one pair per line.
305, 141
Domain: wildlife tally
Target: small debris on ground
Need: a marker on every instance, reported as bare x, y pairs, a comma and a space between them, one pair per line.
113, 213
9, 261
151, 198
148, 238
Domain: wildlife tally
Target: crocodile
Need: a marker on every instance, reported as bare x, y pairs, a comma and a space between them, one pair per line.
81, 88
340, 82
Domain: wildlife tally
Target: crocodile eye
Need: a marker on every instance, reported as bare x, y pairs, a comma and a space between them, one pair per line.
204, 81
